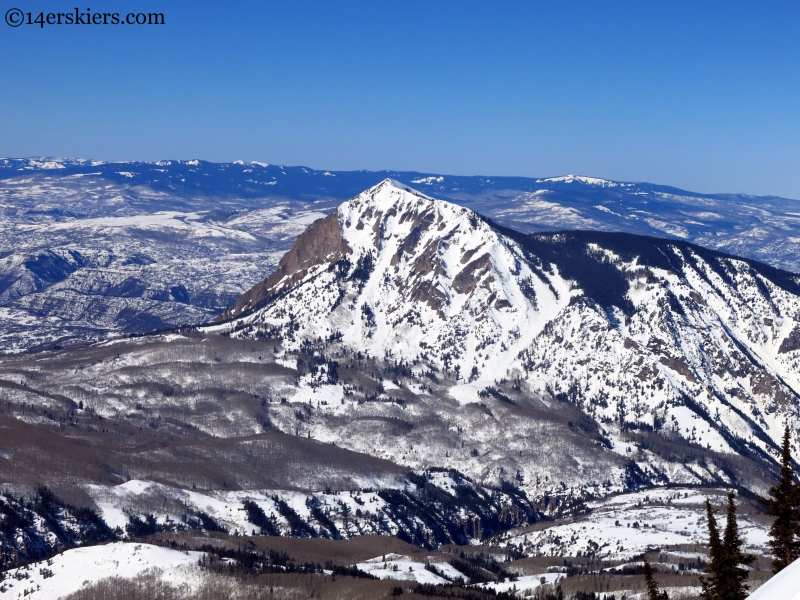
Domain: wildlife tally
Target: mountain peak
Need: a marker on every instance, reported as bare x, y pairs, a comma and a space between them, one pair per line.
389, 192
596, 181
396, 272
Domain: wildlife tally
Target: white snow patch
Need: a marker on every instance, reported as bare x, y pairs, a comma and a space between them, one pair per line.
522, 584
428, 180
582, 179
397, 566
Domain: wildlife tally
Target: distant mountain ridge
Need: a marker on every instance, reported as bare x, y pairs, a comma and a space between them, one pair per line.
766, 228
295, 181
91, 249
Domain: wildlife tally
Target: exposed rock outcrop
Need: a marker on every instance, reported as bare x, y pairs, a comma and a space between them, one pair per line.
322, 242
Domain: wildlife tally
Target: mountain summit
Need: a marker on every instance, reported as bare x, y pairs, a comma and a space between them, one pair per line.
639, 333
396, 273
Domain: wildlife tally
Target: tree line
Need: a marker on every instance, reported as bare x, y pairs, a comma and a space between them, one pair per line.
726, 574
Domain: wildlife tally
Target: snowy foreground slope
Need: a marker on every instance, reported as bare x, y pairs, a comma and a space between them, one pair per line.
80, 568
638, 333
784, 586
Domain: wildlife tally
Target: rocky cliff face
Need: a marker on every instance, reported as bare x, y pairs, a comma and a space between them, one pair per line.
639, 333
321, 243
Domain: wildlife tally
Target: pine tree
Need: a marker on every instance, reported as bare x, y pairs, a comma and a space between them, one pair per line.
710, 582
784, 505
653, 593
732, 583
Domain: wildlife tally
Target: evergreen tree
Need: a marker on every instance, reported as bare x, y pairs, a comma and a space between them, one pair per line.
710, 583
731, 584
784, 505
653, 593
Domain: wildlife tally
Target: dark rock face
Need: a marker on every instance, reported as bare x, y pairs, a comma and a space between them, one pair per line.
321, 242
792, 342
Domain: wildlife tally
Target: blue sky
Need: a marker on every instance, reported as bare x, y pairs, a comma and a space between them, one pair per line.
701, 95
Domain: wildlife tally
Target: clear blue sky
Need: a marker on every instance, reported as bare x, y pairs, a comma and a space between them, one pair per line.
701, 95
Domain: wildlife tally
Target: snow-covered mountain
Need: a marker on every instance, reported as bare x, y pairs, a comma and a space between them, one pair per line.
639, 333
398, 274
90, 249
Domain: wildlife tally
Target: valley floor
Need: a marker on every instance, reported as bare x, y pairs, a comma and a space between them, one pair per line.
166, 567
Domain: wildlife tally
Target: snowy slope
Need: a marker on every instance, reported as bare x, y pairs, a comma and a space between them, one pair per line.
629, 525
69, 571
405, 568
524, 586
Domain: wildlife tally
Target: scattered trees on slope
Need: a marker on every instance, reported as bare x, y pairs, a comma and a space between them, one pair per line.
44, 525
256, 515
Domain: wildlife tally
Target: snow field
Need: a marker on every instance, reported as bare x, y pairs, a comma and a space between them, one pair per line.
67, 572
396, 566
627, 525
523, 585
